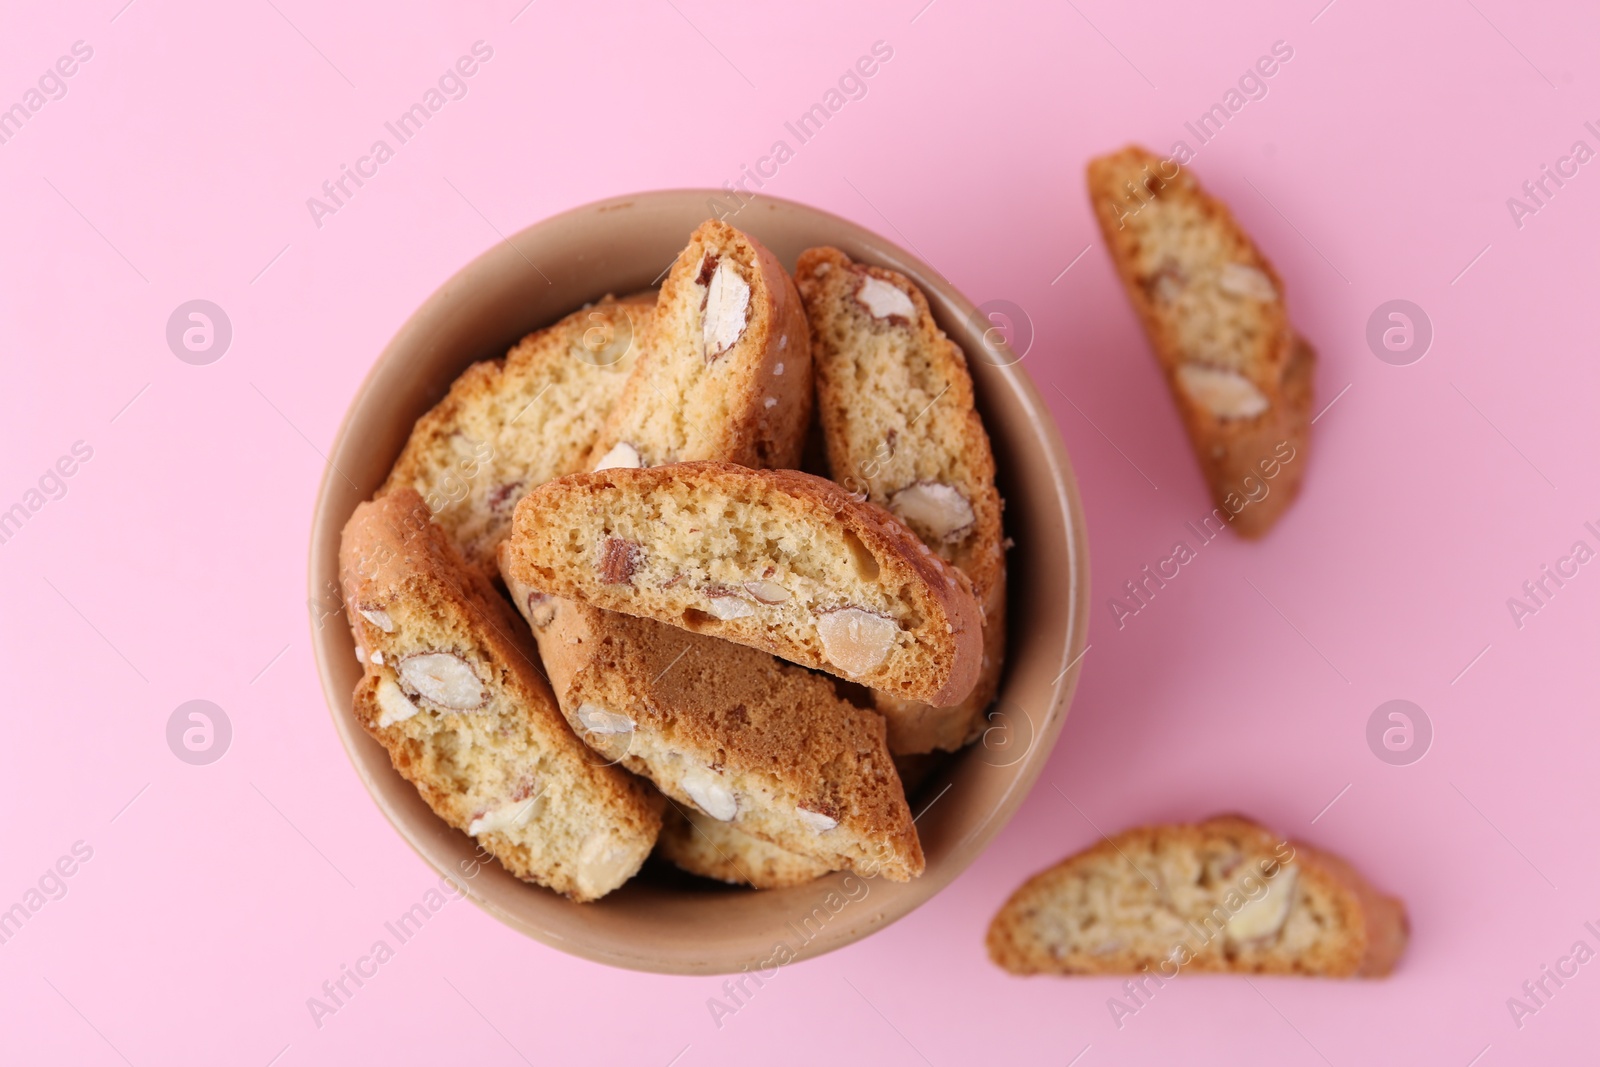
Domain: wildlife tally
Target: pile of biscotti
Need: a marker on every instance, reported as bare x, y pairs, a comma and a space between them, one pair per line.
602, 610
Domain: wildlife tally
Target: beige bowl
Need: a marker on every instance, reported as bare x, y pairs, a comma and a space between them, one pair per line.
660, 922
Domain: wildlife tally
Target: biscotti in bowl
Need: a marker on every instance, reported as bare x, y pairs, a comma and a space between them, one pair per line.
910, 791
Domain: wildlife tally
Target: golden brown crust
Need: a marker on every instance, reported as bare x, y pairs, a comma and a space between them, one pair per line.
1168, 899
452, 690
509, 424
748, 404
1210, 301
1387, 927
714, 723
671, 542
897, 410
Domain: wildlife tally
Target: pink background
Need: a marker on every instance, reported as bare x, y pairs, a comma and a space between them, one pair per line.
177, 166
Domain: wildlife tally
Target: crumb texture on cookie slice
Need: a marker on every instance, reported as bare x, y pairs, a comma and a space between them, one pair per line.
778, 560
510, 424
1225, 895
901, 426
695, 842
453, 692
762, 745
898, 414
1213, 308
725, 372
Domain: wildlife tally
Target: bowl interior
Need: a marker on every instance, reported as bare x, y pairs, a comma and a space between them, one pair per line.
658, 922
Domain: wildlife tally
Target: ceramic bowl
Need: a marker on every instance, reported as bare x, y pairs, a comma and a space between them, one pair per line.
663, 921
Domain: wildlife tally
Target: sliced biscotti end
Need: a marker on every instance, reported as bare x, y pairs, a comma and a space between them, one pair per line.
509, 424
764, 746
1213, 308
695, 842
1214, 305
896, 405
777, 560
453, 693
726, 368
1225, 895
901, 427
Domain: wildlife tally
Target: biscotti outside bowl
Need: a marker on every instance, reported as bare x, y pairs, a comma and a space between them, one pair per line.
668, 924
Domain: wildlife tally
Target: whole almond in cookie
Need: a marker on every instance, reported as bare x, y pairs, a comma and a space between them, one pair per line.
901, 427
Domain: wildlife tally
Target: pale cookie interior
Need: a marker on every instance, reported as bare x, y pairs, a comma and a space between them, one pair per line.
509, 425
1222, 896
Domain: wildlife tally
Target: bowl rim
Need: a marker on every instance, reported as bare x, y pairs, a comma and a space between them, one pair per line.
947, 303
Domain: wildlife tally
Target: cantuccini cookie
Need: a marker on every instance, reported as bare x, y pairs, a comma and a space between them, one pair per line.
1224, 895
725, 372
901, 427
510, 424
453, 692
764, 746
1213, 308
778, 560
695, 842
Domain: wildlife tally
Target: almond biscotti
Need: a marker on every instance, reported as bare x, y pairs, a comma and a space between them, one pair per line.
901, 426
777, 560
725, 372
508, 425
695, 842
1213, 308
760, 745
1224, 895
453, 692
